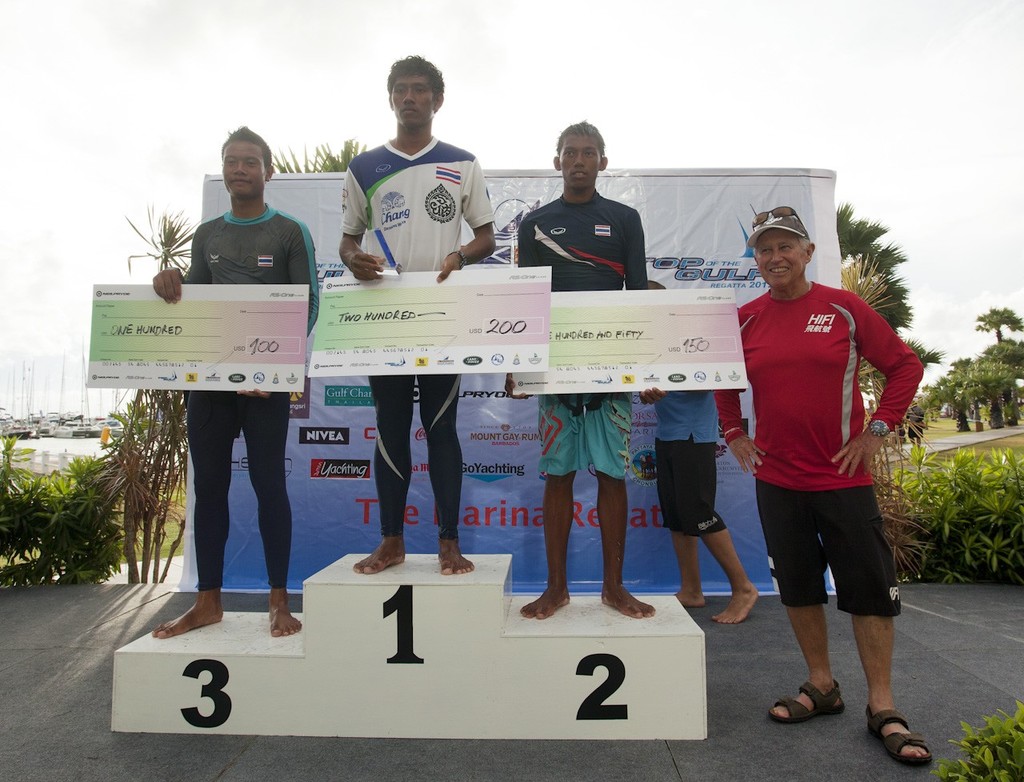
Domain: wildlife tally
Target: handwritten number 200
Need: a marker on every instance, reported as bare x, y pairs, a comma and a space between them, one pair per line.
506, 326
262, 346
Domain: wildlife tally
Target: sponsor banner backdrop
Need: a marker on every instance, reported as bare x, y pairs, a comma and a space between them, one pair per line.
696, 224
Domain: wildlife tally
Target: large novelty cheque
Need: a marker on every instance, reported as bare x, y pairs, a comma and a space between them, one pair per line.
676, 340
478, 320
217, 337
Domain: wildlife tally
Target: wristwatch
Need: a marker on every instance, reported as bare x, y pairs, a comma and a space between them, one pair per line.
879, 428
463, 260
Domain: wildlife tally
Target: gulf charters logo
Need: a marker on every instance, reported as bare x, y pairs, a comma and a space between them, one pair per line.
339, 468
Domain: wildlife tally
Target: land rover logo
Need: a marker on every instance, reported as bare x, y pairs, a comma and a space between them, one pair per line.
237, 377
677, 378
472, 360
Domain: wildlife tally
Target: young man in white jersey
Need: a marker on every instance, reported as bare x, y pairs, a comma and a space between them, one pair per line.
407, 199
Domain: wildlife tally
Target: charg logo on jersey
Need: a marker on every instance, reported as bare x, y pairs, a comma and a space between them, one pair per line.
820, 324
392, 208
440, 205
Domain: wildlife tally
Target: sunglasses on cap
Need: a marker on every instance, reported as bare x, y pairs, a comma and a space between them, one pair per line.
780, 211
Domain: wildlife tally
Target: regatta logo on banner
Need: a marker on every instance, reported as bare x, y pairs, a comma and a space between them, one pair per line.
241, 464
602, 230
348, 396
643, 467
449, 175
323, 435
339, 468
820, 324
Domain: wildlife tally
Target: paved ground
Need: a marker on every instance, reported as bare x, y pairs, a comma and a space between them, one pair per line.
959, 656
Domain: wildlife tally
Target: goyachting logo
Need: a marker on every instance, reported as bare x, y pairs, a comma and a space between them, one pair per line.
339, 468
488, 473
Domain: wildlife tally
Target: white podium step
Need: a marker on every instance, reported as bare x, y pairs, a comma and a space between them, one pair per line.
411, 653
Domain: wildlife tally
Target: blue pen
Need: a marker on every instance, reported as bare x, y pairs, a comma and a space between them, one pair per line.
387, 250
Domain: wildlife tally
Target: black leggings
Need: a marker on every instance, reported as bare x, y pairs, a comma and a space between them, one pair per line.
214, 421
392, 460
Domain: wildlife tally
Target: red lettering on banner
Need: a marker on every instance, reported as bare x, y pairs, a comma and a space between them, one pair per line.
367, 503
577, 509
502, 515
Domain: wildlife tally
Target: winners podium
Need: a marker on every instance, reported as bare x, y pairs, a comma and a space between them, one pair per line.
411, 653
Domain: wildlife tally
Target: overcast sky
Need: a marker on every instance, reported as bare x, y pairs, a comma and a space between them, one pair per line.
109, 107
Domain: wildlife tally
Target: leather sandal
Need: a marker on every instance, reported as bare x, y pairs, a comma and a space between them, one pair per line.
824, 703
894, 742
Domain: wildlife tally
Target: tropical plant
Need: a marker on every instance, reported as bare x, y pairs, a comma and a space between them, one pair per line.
905, 535
973, 509
992, 753
59, 528
170, 236
324, 160
145, 468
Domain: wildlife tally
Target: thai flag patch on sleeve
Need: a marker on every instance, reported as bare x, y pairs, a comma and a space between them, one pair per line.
265, 260
602, 230
449, 175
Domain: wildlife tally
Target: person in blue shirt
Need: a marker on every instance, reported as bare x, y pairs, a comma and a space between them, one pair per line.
684, 448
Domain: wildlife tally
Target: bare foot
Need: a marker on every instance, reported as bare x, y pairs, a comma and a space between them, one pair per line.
691, 599
619, 598
391, 551
452, 561
546, 605
738, 608
281, 620
206, 611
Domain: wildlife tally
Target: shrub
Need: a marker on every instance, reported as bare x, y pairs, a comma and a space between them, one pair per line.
973, 507
994, 753
55, 528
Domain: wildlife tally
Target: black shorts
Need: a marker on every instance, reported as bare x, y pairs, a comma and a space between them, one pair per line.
805, 531
687, 482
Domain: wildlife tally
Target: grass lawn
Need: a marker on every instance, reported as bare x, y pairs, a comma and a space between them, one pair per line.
946, 428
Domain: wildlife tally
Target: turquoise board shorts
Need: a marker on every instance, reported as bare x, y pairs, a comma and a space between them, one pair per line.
579, 430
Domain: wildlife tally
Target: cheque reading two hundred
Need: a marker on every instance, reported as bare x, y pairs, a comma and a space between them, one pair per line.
487, 319
217, 337
676, 340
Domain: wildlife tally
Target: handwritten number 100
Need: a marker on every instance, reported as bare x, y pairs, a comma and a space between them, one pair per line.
262, 346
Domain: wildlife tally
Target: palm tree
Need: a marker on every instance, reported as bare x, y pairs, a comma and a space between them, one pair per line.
323, 161
1010, 353
999, 318
146, 465
989, 380
860, 240
861, 276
